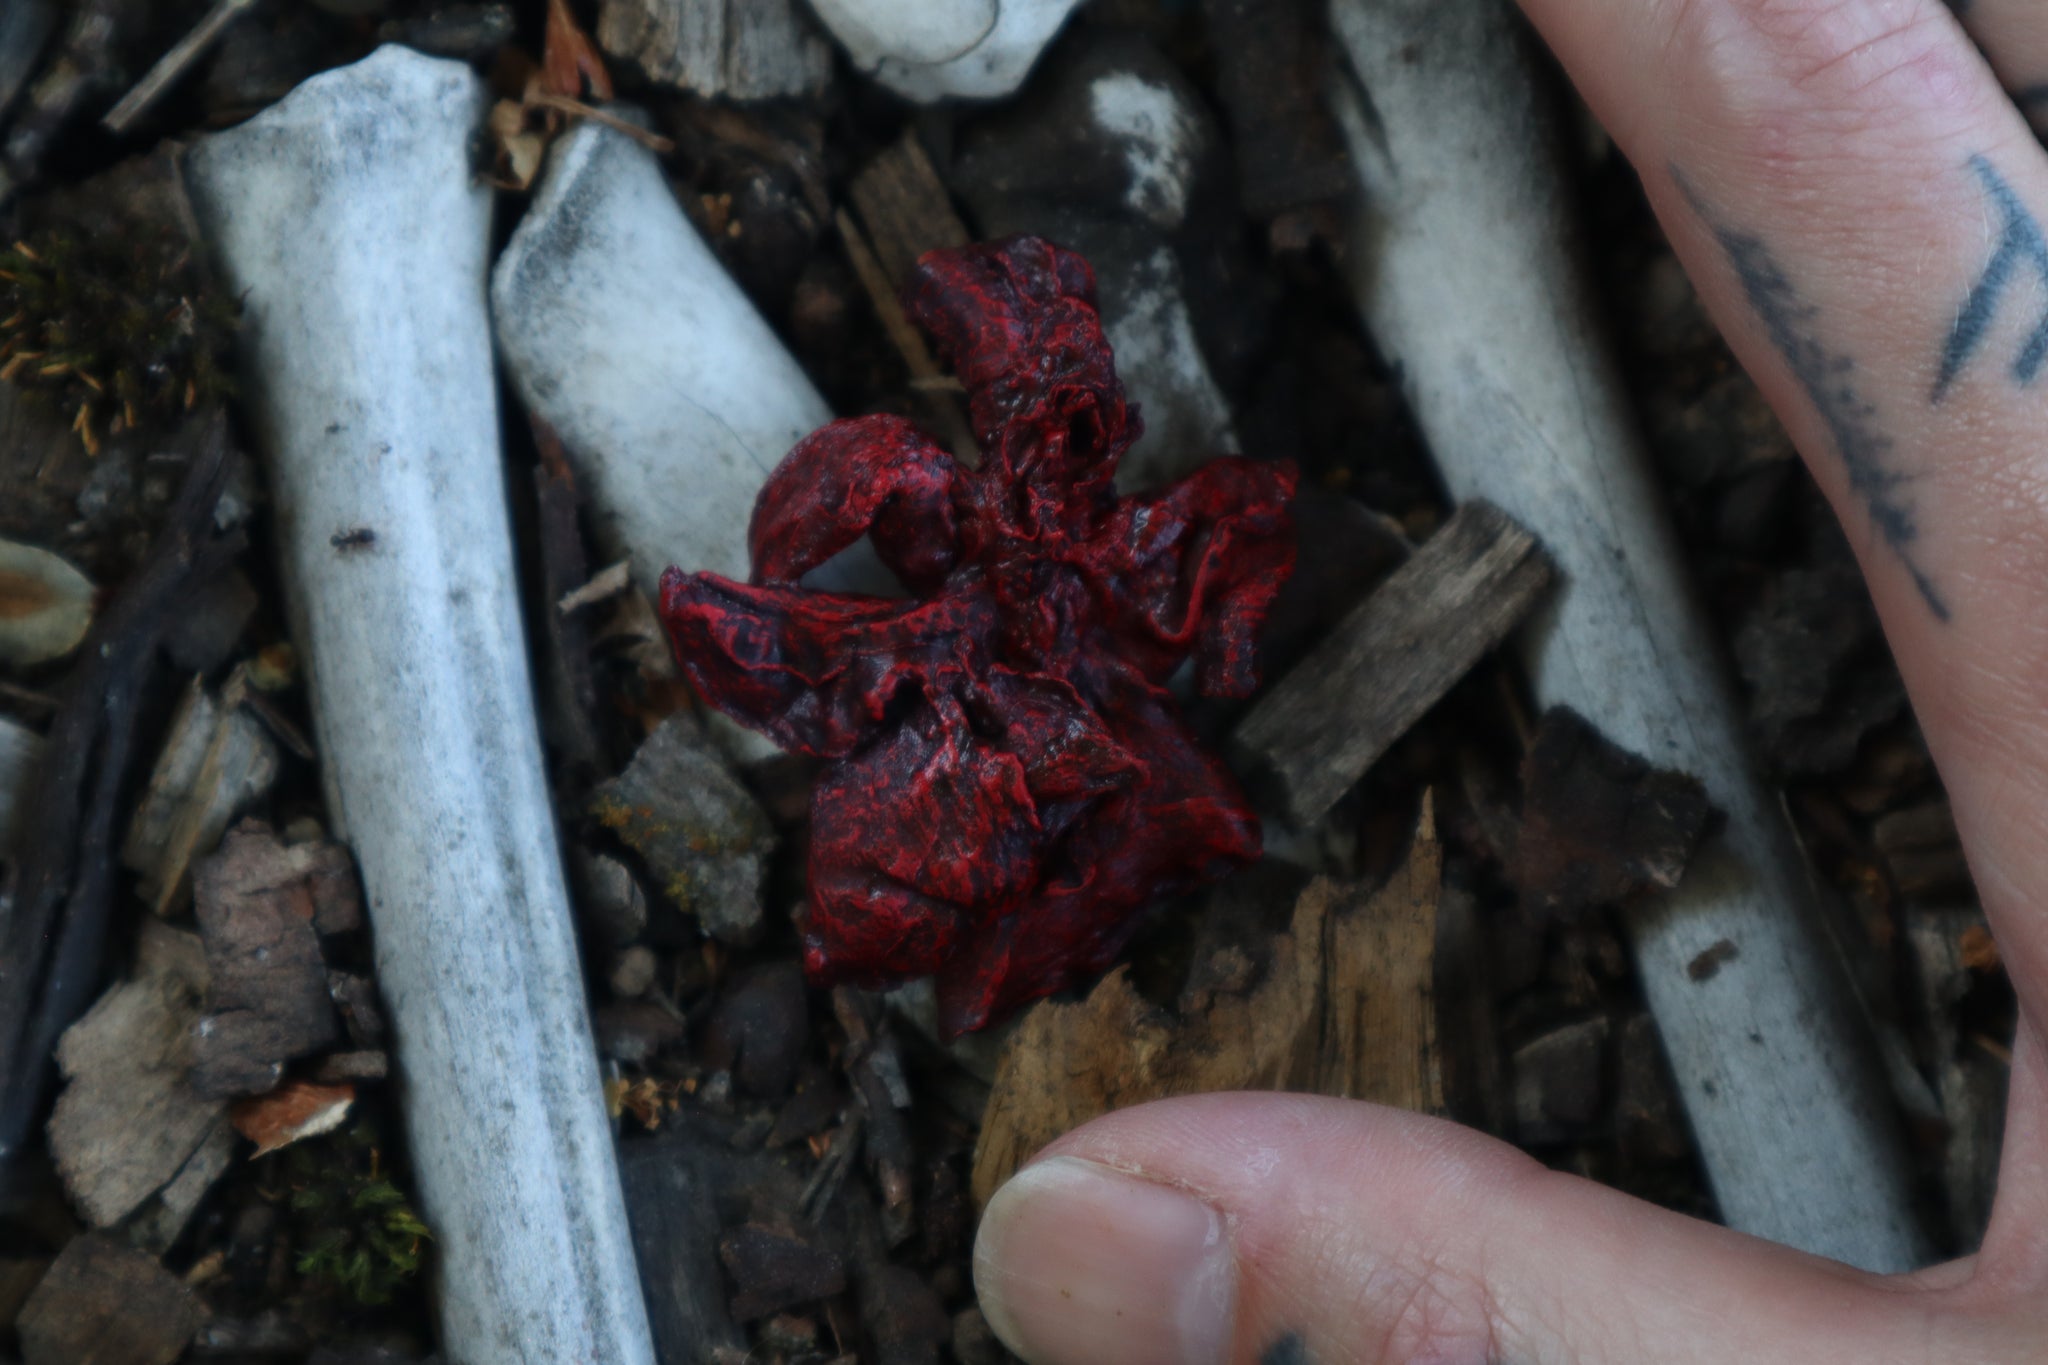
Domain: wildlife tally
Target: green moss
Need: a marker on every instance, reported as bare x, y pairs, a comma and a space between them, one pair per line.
117, 334
359, 1236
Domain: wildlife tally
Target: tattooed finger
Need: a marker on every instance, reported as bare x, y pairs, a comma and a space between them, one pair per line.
1863, 210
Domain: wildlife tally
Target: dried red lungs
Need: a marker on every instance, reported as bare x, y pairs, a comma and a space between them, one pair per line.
1010, 782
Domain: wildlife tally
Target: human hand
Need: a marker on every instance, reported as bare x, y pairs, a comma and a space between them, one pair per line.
1863, 209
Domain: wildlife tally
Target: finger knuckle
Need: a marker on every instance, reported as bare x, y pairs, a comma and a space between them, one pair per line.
1784, 69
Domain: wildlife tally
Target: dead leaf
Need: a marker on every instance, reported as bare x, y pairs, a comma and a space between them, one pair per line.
295, 1110
568, 57
1345, 1007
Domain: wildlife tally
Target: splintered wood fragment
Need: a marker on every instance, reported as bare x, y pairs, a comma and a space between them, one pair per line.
739, 49
218, 761
1346, 1005
1390, 660
904, 207
942, 409
268, 999
1379, 1031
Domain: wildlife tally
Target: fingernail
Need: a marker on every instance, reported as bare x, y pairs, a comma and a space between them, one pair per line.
1077, 1264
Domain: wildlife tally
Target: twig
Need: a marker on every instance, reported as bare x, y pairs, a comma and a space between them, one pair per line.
562, 104
173, 65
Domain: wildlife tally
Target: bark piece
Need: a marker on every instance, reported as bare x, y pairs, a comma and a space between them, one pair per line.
349, 220
268, 1002
1558, 1083
773, 1270
905, 212
160, 1221
1345, 1006
928, 50
702, 835
759, 1029
1599, 824
1463, 256
1273, 65
739, 49
218, 761
129, 1121
1316, 731
103, 1303
904, 207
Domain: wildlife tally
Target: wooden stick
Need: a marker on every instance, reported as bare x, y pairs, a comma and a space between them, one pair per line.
1464, 266
1311, 737
349, 220
173, 65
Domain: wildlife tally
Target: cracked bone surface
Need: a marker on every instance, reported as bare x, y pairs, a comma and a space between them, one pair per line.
1463, 269
673, 397
929, 50
350, 220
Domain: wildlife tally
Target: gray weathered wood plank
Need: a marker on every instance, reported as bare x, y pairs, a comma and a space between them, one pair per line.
1311, 737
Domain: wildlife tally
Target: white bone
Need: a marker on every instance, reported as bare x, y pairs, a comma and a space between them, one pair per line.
350, 220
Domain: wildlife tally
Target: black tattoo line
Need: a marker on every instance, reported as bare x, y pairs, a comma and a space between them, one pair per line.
1288, 1350
1829, 379
2020, 242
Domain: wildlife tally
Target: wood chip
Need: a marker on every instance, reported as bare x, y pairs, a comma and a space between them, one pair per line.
1599, 824
269, 1000
129, 1121
1346, 1007
774, 1270
1311, 738
104, 1303
904, 207
740, 49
